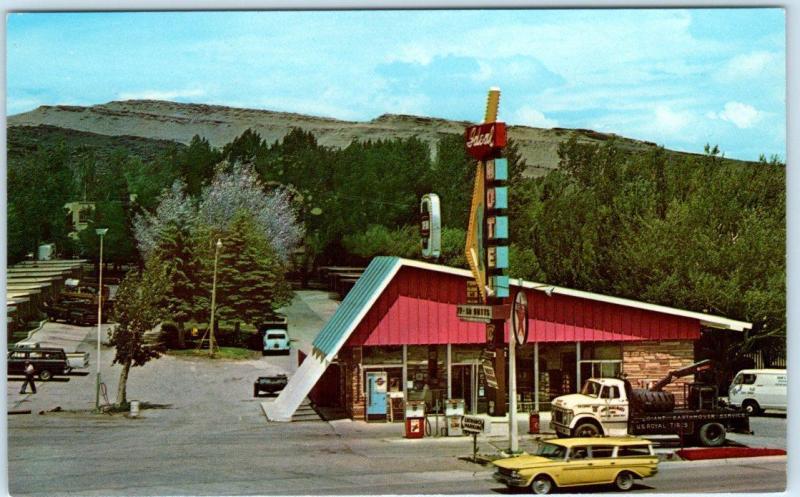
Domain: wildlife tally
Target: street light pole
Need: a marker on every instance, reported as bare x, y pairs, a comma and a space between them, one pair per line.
213, 300
101, 233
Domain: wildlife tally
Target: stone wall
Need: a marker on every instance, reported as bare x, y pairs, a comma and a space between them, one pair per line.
644, 362
351, 382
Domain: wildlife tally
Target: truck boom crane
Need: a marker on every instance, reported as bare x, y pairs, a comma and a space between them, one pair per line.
703, 365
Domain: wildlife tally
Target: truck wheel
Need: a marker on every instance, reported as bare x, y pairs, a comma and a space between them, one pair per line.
712, 434
751, 407
624, 481
45, 374
542, 485
587, 430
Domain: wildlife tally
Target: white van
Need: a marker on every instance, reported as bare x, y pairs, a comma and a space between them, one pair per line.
759, 389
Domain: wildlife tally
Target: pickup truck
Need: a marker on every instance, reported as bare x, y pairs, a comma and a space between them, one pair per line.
609, 406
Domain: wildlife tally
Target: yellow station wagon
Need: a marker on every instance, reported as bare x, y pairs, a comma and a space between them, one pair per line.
580, 461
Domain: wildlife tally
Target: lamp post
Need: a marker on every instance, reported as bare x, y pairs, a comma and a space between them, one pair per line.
101, 233
213, 300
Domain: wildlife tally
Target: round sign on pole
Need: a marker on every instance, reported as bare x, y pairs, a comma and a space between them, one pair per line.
519, 317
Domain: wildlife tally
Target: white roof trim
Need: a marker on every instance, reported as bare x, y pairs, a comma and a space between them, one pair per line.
364, 310
708, 320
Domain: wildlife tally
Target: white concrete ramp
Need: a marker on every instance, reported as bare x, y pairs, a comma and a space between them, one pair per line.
299, 386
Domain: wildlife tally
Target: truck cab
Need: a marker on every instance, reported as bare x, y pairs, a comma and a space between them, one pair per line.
602, 408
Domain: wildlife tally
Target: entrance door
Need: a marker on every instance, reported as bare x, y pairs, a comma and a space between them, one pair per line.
376, 395
462, 384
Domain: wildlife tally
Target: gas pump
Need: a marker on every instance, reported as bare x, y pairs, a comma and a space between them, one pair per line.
454, 411
415, 419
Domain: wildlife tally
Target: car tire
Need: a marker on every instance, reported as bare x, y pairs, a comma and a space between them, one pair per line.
542, 485
712, 434
751, 407
624, 481
255, 392
587, 430
45, 375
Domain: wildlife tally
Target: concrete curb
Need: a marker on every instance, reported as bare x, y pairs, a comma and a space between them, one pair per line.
733, 461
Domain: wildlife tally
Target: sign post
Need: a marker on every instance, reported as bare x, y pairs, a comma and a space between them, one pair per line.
473, 425
487, 250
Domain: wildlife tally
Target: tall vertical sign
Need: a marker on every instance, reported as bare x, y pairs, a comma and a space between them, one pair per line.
487, 233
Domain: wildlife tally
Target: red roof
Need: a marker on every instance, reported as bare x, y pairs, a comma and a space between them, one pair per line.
418, 307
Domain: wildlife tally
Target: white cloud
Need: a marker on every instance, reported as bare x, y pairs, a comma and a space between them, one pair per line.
752, 65
671, 122
528, 116
162, 94
742, 116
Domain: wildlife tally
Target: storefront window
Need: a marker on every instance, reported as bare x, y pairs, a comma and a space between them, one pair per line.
427, 375
383, 355
601, 360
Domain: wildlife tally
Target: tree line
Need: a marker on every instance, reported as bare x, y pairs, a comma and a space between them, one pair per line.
698, 232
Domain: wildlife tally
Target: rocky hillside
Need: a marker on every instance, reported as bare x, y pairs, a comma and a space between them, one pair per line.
179, 122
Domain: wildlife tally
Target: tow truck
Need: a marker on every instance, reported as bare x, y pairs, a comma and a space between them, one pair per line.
611, 407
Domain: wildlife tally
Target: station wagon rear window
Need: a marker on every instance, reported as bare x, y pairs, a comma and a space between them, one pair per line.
276, 336
633, 451
602, 452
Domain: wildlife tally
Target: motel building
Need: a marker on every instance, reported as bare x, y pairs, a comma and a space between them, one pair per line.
396, 338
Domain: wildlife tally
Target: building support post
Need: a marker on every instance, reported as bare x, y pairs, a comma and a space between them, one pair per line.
449, 371
536, 376
578, 367
405, 372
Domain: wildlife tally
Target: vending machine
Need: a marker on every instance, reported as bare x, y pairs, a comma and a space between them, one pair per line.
454, 411
415, 419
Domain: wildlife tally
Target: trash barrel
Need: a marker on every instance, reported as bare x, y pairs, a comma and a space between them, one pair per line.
533, 423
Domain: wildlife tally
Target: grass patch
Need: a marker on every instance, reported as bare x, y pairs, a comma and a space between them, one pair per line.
234, 353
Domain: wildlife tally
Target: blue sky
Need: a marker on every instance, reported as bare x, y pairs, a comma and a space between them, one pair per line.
680, 78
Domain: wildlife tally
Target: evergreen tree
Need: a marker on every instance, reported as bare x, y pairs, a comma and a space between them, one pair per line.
250, 277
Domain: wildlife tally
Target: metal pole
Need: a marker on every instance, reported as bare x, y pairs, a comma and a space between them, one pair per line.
512, 394
99, 323
213, 300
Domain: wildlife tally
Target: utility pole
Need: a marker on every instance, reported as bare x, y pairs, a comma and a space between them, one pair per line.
213, 300
101, 233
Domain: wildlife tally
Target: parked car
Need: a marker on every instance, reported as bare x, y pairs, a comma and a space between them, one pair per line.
758, 389
276, 340
269, 384
47, 362
75, 360
580, 461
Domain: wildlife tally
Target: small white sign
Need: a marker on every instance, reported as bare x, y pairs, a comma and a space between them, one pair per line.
473, 424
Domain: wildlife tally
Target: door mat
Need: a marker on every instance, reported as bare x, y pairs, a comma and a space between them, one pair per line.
727, 452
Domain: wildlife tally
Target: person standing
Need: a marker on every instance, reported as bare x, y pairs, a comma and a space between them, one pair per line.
29, 371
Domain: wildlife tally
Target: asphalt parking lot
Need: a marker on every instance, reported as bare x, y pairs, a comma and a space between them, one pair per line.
201, 432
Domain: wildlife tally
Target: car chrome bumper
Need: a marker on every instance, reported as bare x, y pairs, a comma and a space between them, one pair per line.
509, 481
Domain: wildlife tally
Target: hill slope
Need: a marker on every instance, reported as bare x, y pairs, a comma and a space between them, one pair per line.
162, 120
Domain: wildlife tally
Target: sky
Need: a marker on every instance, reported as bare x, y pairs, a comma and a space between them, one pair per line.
682, 78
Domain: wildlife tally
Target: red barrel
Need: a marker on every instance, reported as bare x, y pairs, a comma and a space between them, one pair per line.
533, 423
415, 427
